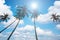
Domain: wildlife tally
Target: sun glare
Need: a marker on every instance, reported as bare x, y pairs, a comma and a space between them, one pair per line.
34, 6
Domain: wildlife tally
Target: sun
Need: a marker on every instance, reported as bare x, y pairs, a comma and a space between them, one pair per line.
34, 6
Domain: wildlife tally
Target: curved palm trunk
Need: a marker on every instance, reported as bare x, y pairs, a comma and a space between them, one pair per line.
7, 26
35, 30
13, 30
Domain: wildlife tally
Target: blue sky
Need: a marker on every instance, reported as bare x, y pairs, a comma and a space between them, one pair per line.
43, 4
48, 27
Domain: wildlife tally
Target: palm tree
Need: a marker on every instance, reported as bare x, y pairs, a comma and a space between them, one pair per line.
3, 18
21, 13
35, 16
55, 17
35, 30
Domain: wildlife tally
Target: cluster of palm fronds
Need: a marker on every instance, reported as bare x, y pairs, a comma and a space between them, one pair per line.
4, 17
55, 17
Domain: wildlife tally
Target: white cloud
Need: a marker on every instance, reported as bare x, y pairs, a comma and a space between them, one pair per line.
39, 30
29, 37
27, 33
44, 32
13, 24
2, 2
5, 8
27, 27
45, 18
30, 28
21, 22
55, 8
57, 3
1, 35
58, 26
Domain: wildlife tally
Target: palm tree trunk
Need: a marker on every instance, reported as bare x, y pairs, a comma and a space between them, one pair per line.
7, 26
35, 30
13, 30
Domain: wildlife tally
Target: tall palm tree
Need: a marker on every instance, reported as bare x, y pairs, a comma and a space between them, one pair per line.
35, 30
35, 16
21, 13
